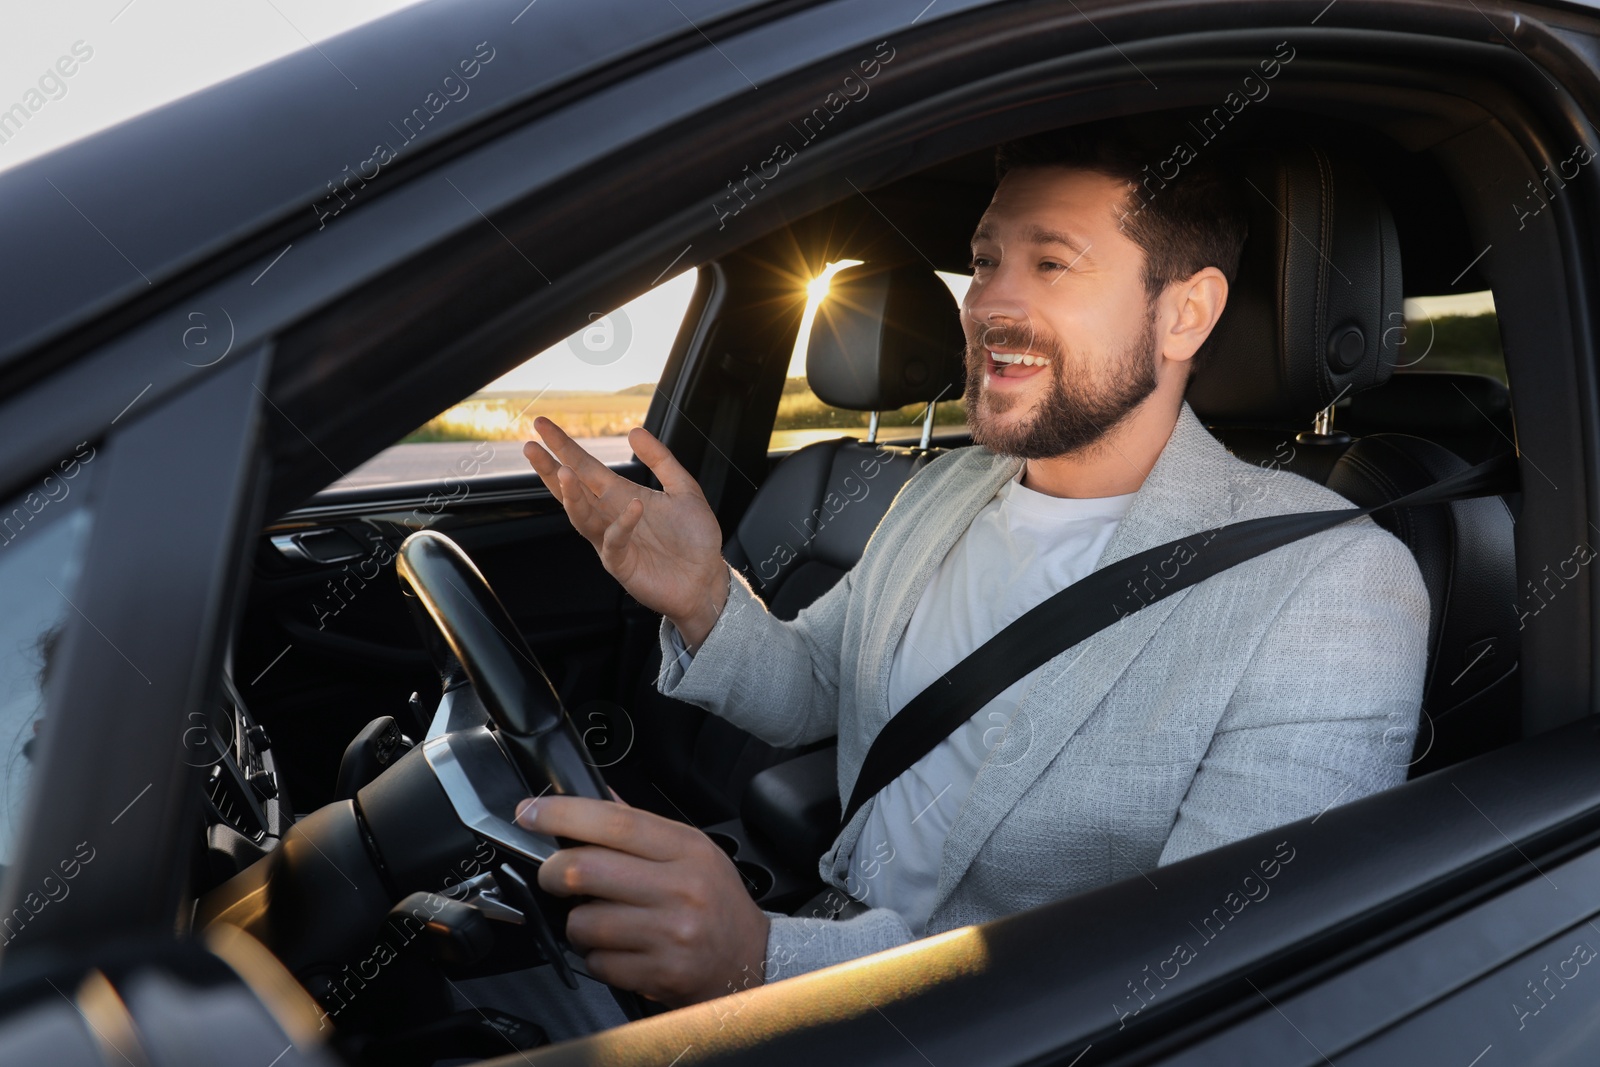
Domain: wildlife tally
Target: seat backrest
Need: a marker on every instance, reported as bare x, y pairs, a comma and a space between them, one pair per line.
813, 515
1309, 316
1308, 323
883, 338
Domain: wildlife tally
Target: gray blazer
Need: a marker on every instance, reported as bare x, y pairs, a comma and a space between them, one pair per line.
1266, 694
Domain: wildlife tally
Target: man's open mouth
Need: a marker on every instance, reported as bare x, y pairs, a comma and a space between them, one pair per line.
1004, 364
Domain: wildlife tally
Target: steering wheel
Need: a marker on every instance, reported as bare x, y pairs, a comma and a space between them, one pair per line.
479, 653
480, 638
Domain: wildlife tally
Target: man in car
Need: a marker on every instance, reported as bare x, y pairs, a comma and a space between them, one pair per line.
1264, 695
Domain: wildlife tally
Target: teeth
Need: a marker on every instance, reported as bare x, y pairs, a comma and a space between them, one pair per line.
1017, 357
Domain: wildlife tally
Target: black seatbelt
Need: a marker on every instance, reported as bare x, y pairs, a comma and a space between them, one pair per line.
1089, 605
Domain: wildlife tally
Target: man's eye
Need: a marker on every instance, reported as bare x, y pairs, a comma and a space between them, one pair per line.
980, 261
1051, 264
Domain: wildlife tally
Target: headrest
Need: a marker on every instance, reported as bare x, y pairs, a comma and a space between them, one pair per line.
1315, 309
885, 337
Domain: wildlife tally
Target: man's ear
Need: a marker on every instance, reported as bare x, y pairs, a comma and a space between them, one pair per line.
1196, 304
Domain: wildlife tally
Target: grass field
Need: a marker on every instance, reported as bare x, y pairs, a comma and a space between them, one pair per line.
1466, 343
509, 417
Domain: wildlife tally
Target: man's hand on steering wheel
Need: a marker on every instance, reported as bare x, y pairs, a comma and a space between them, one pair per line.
664, 547
671, 919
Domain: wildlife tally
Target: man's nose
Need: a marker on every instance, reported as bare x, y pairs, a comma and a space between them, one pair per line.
996, 301
996, 321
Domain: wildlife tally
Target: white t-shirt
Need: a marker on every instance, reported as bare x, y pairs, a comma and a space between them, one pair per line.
1023, 547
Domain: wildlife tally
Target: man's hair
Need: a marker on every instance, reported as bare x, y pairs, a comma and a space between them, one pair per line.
1184, 221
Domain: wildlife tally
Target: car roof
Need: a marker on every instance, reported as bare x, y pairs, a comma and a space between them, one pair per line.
106, 220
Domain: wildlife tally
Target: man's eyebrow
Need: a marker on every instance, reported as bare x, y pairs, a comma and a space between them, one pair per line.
1039, 235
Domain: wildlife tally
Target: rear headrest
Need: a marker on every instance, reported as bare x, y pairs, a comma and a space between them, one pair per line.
1315, 309
885, 337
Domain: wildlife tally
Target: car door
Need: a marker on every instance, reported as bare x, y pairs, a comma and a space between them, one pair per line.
118, 553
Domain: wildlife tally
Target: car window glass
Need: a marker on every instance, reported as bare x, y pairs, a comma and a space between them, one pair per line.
43, 532
804, 418
1459, 332
597, 384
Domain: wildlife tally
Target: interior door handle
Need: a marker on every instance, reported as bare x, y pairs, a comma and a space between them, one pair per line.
327, 545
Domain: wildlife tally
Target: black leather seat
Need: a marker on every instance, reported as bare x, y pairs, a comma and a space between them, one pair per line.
1307, 325
885, 337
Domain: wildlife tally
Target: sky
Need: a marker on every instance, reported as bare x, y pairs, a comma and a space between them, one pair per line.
1428, 307
621, 348
145, 53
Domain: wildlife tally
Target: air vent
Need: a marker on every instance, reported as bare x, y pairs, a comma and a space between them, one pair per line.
230, 802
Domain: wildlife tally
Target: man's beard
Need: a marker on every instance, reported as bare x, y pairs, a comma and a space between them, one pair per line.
1075, 412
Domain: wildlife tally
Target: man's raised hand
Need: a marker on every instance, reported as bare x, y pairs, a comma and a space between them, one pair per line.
664, 547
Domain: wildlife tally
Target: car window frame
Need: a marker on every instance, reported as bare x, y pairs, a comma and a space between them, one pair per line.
338, 494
